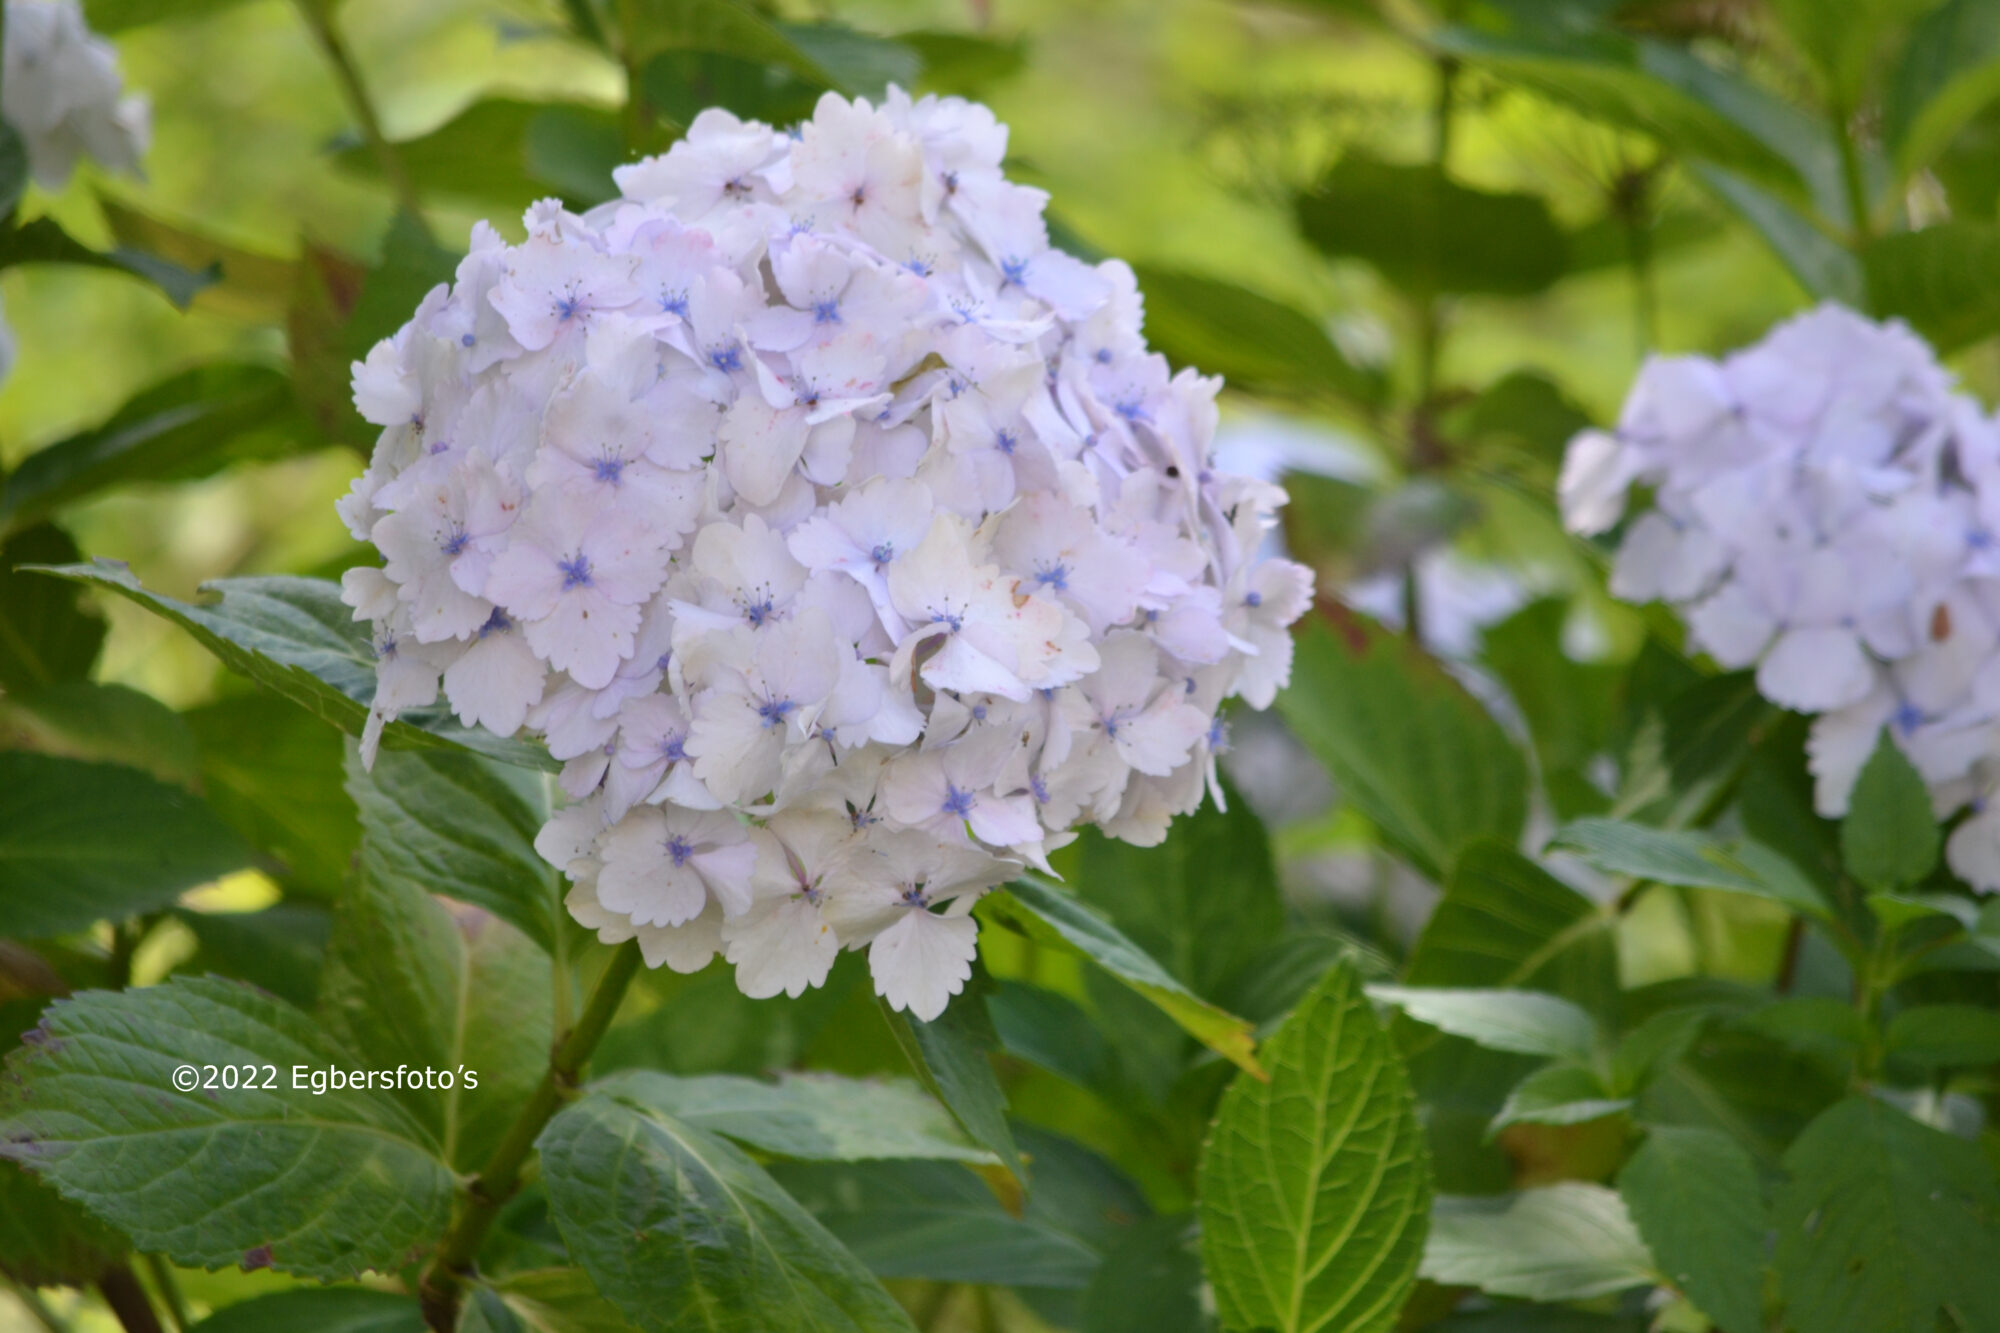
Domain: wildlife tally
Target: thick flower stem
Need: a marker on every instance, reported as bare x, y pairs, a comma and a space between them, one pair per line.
500, 1178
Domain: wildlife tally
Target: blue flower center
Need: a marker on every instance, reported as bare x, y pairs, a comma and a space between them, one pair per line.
1014, 270
674, 303
575, 572
609, 470
456, 542
913, 896
1005, 441
758, 612
826, 312
882, 554
727, 359
568, 307
957, 802
679, 849
674, 749
949, 619
1055, 576
497, 623
1908, 718
1253, 598
774, 711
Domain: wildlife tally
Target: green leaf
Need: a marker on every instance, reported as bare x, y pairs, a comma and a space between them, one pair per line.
680, 85
1257, 344
254, 285
1559, 1094
324, 1186
80, 719
1570, 706
1314, 1185
188, 425
682, 1231
575, 148
1149, 1282
1522, 1021
501, 150
1885, 1223
1695, 1198
45, 634
1052, 916
1938, 1036
937, 1221
854, 62
1691, 859
1921, 277
59, 871
1635, 84
318, 1310
964, 64
43, 241
274, 775
296, 637
462, 826
1526, 414
1506, 922
952, 1055
1408, 747
1816, 1025
1202, 904
47, 1241
559, 1300
280, 948
1562, 1242
1426, 233
1949, 72
107, 16
1846, 41
411, 981
1824, 268
1889, 839
808, 1117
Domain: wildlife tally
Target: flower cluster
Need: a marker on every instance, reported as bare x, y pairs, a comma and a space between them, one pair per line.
841, 537
60, 91
1826, 506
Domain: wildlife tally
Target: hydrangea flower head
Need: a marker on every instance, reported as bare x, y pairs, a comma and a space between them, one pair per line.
840, 536
1825, 508
61, 91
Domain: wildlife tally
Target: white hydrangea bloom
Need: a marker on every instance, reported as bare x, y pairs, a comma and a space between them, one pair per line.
1825, 508
61, 91
840, 536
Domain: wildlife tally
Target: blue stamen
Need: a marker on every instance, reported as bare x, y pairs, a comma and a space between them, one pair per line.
1908, 718
1055, 576
758, 612
456, 542
679, 849
774, 711
956, 623
466, 340
674, 303
674, 749
1014, 270
1040, 789
567, 308
575, 572
1005, 441
957, 802
913, 896
826, 312
609, 470
882, 554
1253, 598
728, 359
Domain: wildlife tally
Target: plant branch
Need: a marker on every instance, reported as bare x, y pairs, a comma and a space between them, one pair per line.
498, 1181
170, 1292
127, 1299
1851, 176
319, 21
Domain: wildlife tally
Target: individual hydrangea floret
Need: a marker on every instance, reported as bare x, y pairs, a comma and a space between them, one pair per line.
61, 92
839, 535
1825, 507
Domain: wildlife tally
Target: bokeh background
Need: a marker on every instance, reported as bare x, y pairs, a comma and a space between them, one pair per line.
1420, 433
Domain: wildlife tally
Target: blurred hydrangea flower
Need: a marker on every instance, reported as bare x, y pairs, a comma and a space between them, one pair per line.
61, 91
841, 536
1825, 507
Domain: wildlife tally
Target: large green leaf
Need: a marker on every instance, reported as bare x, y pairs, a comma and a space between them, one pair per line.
188, 425
1203, 903
1150, 1282
1949, 72
1824, 268
43, 241
682, 1231
116, 724
1885, 1224
273, 773
324, 1185
1504, 922
558, 1300
319, 1310
1053, 916
83, 842
1640, 85
1940, 1036
1695, 1197
409, 981
936, 1220
1524, 1022
45, 1240
1426, 233
1691, 859
1559, 1094
1940, 280
45, 635
296, 637
281, 948
462, 826
1409, 748
1314, 1186
1255, 343
1557, 1243
504, 151
808, 1117
952, 1055
1889, 839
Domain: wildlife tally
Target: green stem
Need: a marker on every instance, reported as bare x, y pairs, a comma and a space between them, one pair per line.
170, 1292
444, 1278
121, 1291
1645, 302
1851, 176
319, 21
